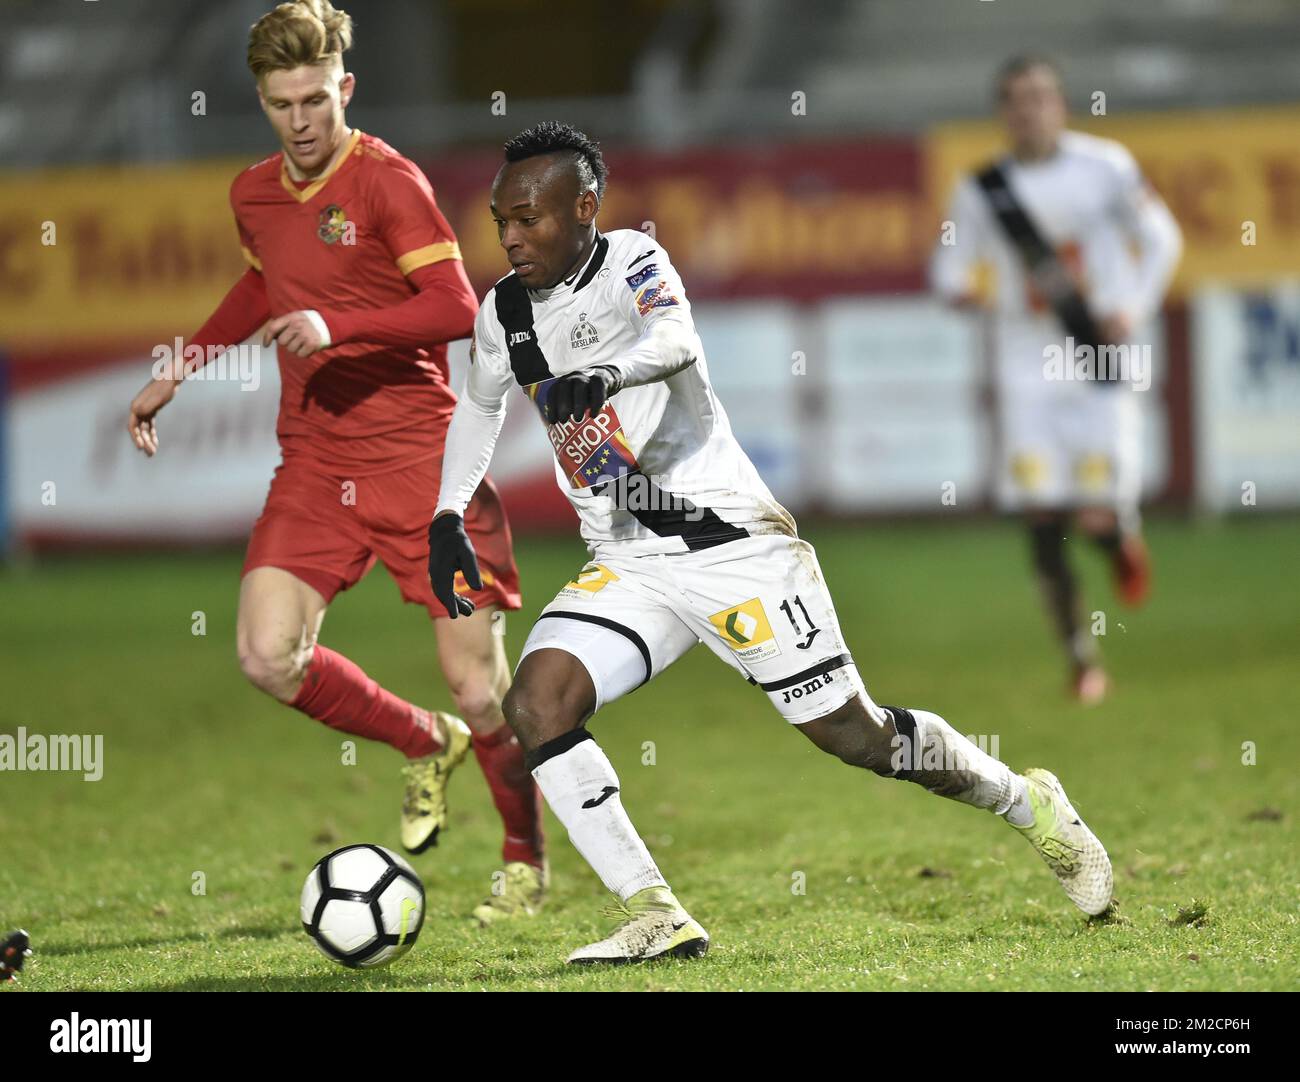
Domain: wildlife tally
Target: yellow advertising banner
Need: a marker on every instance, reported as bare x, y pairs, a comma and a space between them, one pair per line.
92, 255
1230, 177
96, 256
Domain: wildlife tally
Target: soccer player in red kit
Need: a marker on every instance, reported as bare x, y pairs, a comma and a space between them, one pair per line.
356, 276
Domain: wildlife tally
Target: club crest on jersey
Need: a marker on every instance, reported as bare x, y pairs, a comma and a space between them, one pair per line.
651, 289
583, 334
332, 224
589, 452
746, 630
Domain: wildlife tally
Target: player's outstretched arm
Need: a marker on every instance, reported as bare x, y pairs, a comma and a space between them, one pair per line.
425, 250
1159, 241
442, 310
450, 551
471, 438
653, 300
665, 348
240, 313
958, 251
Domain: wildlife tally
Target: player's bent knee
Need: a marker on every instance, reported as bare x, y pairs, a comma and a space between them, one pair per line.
537, 718
273, 669
475, 697
552, 694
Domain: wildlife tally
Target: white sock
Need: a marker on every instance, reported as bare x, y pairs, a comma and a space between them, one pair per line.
946, 763
600, 830
1021, 812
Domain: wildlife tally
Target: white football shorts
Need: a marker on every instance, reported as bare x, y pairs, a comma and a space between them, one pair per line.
760, 603
1066, 447
1064, 443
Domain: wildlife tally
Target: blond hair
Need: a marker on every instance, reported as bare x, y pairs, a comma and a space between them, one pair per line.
298, 33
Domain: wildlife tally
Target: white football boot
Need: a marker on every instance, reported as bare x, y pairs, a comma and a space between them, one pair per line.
653, 924
1070, 849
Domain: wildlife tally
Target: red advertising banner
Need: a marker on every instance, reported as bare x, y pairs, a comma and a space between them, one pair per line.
796, 221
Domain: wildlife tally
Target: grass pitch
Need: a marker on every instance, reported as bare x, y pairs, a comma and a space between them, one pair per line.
901, 890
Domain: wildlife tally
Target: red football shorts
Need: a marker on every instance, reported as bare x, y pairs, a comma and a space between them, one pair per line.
329, 531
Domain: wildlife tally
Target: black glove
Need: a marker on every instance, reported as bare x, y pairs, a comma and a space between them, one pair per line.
573, 396
449, 552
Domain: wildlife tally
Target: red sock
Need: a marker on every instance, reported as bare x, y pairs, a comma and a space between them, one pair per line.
514, 793
339, 694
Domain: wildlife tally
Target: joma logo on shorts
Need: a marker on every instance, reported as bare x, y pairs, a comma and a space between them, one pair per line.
806, 688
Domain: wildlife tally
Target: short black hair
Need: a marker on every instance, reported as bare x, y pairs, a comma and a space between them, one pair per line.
1017, 65
553, 137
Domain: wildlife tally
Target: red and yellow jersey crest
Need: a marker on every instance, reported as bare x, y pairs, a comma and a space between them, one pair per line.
332, 224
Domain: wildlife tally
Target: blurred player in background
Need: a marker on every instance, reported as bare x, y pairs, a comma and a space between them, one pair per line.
688, 546
358, 280
1069, 448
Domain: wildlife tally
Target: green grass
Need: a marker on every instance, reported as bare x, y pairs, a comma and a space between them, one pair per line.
904, 890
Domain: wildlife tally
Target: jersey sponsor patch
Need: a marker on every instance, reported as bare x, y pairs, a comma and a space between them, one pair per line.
746, 630
590, 580
590, 452
650, 289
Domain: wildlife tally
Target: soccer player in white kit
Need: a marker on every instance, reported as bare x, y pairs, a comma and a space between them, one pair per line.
1069, 447
687, 546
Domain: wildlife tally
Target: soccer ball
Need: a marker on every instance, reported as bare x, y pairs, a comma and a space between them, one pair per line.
363, 906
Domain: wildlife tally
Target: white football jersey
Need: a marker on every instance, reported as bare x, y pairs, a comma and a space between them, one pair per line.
1092, 205
657, 470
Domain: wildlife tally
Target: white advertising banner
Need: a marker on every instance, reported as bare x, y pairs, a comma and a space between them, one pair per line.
76, 475
854, 406
1246, 390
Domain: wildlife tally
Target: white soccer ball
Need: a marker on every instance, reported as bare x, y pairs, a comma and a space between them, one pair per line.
363, 906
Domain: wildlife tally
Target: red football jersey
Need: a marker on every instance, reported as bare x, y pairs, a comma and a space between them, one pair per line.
346, 241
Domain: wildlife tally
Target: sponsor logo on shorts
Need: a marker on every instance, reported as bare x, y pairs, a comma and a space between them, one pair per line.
462, 587
810, 685
746, 630
1094, 472
1029, 470
590, 580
